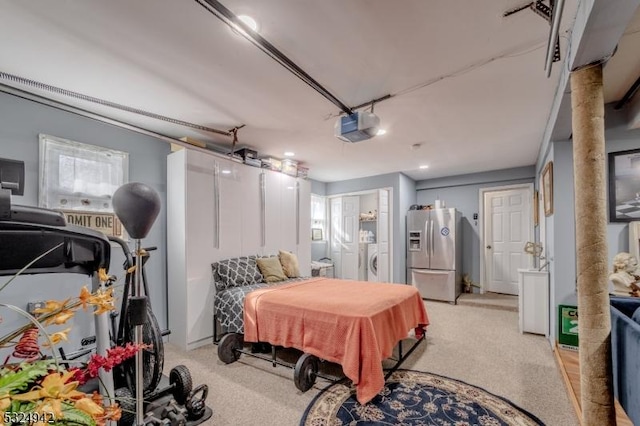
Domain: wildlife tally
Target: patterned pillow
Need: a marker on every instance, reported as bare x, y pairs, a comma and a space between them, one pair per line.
237, 272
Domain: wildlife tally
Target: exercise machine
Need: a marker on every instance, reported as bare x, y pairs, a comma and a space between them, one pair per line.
27, 232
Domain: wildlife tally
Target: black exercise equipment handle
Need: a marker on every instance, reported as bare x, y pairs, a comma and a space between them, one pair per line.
195, 406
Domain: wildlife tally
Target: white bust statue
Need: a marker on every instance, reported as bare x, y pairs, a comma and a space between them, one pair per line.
624, 278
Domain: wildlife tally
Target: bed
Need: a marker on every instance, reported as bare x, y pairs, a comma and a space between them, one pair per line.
353, 323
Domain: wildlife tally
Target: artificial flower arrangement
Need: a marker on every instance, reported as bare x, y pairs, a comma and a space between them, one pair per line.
41, 390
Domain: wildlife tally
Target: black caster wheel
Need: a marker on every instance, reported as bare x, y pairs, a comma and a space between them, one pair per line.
229, 346
305, 372
127, 404
180, 378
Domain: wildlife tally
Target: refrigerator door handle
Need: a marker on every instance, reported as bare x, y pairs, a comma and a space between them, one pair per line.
427, 240
423, 272
433, 242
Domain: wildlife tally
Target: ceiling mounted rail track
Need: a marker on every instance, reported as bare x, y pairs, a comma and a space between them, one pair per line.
225, 15
628, 95
75, 95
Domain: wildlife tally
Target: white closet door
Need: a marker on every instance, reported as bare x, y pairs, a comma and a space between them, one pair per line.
230, 208
250, 206
201, 250
176, 246
349, 237
304, 227
288, 214
272, 204
336, 231
383, 236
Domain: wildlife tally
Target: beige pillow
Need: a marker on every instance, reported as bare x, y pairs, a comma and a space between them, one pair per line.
289, 263
271, 269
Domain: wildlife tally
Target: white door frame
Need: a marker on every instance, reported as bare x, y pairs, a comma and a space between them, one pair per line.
392, 213
481, 219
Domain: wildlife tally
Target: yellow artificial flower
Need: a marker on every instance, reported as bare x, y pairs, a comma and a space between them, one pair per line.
5, 402
84, 297
58, 336
50, 307
60, 318
53, 386
113, 412
55, 311
102, 274
89, 406
103, 300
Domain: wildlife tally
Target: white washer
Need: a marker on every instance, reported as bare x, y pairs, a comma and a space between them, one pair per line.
362, 262
372, 263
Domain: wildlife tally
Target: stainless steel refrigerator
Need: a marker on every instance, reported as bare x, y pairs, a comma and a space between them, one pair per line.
434, 255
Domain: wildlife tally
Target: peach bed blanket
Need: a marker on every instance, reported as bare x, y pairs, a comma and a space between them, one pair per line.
353, 323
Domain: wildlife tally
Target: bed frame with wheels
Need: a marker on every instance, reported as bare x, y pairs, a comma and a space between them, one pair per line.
354, 324
306, 369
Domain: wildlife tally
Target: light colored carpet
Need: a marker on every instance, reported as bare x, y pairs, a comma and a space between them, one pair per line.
490, 300
477, 345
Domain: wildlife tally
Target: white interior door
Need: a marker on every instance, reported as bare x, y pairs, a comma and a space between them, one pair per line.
383, 236
335, 208
507, 216
349, 237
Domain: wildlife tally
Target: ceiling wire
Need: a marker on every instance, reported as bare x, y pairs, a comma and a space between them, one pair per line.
75, 95
531, 48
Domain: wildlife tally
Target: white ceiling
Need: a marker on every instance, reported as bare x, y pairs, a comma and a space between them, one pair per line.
469, 85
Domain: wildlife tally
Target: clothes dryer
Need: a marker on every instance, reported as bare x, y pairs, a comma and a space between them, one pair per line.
372, 263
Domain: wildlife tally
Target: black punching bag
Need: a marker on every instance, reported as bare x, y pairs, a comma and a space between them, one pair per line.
137, 205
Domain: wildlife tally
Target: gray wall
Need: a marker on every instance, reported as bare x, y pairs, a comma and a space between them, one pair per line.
318, 188
561, 225
20, 123
463, 193
408, 197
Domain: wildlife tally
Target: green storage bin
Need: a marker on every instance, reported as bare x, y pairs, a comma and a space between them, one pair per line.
568, 326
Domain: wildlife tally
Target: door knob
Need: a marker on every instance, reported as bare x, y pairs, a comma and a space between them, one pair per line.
488, 247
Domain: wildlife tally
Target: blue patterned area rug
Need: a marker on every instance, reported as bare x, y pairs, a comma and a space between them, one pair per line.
415, 398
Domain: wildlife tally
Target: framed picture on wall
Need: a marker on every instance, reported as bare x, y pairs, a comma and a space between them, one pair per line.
547, 188
316, 234
624, 186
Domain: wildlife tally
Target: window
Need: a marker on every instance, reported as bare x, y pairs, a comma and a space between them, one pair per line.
78, 176
318, 217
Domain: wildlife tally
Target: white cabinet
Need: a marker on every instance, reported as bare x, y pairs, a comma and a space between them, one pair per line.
218, 209
533, 301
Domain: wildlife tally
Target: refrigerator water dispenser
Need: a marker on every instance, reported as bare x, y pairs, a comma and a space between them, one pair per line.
414, 240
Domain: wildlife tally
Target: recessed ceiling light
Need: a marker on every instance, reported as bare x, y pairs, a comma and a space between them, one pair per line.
289, 154
226, 172
249, 21
424, 166
381, 132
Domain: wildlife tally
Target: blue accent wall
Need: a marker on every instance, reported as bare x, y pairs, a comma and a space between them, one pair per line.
561, 225
318, 188
20, 123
